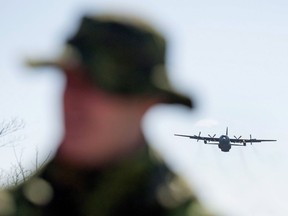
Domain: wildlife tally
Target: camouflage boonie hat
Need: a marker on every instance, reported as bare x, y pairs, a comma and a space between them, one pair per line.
120, 55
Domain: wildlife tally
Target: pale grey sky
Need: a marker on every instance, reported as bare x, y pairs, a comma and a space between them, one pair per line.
231, 56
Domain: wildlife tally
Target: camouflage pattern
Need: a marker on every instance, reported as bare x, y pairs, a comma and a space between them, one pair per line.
139, 185
121, 55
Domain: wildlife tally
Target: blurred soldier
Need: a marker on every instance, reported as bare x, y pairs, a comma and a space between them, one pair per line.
115, 71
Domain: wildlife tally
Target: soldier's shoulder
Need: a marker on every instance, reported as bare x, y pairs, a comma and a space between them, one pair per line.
175, 193
25, 197
7, 203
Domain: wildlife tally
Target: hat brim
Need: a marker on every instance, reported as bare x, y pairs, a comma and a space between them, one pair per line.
177, 98
171, 96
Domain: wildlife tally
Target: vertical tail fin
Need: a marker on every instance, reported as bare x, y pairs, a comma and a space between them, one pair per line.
226, 131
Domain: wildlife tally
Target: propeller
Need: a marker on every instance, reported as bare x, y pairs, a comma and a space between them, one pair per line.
198, 136
251, 139
211, 136
237, 137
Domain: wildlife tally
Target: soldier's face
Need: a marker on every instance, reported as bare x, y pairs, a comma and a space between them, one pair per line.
100, 127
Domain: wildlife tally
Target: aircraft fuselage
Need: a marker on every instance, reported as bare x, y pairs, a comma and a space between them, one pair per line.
224, 143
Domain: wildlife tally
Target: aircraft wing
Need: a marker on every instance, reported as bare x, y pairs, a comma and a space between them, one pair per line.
208, 139
251, 140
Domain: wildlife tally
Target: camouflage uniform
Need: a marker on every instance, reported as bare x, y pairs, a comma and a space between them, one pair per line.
140, 185
125, 57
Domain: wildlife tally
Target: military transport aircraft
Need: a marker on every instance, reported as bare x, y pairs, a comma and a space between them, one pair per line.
224, 142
